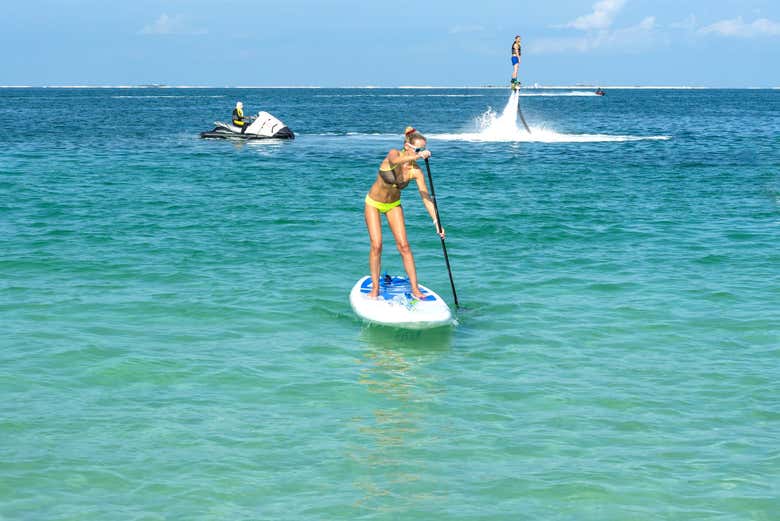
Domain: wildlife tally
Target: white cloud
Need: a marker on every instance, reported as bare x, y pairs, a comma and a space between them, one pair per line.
169, 25
603, 15
738, 27
689, 24
458, 29
627, 39
648, 24
600, 33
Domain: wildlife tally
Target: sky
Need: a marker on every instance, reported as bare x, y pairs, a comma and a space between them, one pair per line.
340, 43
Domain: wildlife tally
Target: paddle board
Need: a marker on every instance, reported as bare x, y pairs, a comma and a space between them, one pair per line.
395, 305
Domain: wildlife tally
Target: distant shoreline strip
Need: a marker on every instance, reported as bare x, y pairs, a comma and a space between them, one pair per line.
401, 87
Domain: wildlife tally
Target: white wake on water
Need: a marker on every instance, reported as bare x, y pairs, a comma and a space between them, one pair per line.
492, 127
558, 94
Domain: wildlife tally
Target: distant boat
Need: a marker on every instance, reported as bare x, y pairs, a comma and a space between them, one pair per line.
600, 92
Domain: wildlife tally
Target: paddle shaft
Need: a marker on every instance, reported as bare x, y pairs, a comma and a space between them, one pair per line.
440, 229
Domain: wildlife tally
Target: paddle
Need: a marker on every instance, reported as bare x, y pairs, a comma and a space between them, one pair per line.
439, 228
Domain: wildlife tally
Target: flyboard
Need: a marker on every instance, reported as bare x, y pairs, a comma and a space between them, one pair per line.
395, 306
516, 92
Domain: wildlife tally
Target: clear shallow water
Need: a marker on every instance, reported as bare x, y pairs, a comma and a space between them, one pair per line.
178, 341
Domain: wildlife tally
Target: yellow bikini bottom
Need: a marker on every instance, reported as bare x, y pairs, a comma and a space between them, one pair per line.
382, 207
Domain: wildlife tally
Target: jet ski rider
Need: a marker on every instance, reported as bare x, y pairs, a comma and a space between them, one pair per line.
239, 119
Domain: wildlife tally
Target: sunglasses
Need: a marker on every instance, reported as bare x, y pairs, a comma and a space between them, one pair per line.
417, 150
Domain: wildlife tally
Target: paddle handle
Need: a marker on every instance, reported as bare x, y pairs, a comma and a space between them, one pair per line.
440, 229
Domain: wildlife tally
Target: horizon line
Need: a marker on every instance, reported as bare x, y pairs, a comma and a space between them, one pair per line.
535, 86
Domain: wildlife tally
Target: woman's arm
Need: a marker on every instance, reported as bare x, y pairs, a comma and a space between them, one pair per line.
426, 198
397, 157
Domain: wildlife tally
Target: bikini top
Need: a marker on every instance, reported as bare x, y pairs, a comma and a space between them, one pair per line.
391, 177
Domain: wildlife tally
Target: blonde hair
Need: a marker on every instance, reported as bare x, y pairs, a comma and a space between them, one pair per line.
411, 134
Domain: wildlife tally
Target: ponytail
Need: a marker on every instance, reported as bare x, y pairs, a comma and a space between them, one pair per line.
411, 134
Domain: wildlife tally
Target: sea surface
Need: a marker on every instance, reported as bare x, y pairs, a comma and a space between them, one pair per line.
177, 341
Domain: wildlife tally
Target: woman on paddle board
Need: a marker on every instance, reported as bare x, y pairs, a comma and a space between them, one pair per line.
396, 171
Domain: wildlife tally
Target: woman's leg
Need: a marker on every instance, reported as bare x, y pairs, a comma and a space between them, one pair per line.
374, 225
395, 218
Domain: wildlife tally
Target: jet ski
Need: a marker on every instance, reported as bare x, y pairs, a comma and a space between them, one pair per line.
600, 92
264, 126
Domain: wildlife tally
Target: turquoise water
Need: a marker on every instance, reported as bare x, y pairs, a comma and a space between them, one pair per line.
178, 342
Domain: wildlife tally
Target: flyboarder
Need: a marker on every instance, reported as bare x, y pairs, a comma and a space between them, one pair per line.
516, 53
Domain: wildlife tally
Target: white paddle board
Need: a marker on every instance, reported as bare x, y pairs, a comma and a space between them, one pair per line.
395, 306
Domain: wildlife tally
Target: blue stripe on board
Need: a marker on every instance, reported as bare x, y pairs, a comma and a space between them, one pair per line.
392, 287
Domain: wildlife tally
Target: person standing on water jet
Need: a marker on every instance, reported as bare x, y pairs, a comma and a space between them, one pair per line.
516, 53
396, 171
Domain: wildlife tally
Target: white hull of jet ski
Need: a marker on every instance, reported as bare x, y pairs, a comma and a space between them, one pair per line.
264, 126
